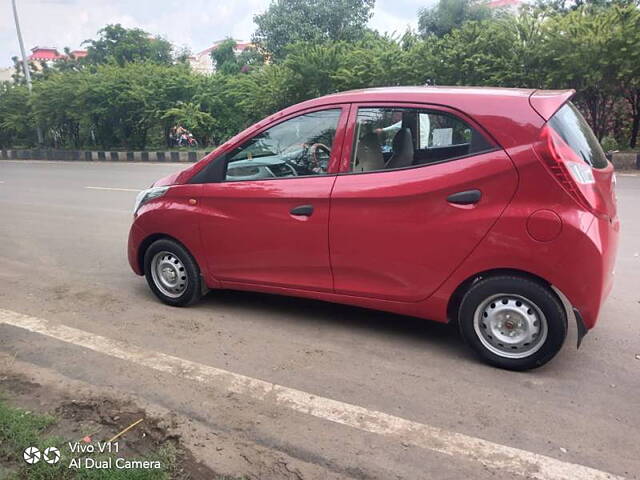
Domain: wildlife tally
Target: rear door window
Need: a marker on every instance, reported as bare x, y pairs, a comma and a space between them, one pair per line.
569, 123
389, 138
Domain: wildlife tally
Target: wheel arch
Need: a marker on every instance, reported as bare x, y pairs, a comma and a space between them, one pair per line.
456, 298
146, 243
191, 243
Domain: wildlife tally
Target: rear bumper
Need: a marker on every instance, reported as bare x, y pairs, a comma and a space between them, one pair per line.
589, 269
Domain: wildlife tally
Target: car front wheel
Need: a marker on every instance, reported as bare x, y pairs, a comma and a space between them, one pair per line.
172, 273
513, 322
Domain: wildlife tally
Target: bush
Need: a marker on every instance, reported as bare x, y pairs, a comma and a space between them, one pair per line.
609, 144
123, 103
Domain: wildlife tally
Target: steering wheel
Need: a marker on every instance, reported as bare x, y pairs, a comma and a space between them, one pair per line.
313, 150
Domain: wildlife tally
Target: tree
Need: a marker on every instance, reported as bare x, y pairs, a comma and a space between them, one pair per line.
18, 75
500, 52
182, 54
122, 45
227, 61
289, 21
129, 102
312, 67
565, 6
447, 15
477, 53
191, 117
166, 86
576, 49
377, 61
249, 59
69, 63
57, 102
624, 48
37, 72
16, 117
224, 57
125, 105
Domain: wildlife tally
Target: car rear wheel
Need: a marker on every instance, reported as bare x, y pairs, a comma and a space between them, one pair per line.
172, 273
512, 322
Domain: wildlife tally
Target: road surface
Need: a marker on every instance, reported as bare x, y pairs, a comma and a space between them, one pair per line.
358, 394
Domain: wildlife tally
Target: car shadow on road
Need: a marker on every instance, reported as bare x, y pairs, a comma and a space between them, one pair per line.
291, 311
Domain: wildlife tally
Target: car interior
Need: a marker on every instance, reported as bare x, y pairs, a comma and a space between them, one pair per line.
297, 147
388, 138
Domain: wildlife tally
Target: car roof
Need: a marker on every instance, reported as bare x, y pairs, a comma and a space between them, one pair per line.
545, 102
429, 94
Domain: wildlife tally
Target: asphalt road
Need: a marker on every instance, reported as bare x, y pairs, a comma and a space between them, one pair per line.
63, 259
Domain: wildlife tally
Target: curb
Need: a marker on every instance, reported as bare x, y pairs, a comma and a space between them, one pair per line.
103, 156
620, 160
625, 160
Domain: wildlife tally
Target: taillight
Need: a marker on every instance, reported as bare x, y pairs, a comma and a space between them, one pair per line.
571, 171
581, 172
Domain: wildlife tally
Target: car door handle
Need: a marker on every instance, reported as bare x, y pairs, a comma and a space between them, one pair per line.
302, 210
468, 197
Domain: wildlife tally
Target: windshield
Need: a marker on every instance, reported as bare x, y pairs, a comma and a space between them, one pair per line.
569, 123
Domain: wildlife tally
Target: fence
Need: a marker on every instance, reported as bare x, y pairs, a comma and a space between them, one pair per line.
621, 160
103, 156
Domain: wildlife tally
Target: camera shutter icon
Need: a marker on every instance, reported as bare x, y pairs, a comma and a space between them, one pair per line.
31, 455
52, 455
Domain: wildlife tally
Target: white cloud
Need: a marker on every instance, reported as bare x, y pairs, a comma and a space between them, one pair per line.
385, 21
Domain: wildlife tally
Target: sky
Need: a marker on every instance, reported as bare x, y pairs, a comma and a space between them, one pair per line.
193, 23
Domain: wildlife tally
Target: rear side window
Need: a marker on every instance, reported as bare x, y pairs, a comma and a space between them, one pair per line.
389, 138
569, 123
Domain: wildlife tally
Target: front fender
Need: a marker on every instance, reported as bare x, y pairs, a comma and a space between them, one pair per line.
174, 215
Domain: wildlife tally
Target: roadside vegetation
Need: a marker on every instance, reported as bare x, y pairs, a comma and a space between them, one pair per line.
132, 88
21, 428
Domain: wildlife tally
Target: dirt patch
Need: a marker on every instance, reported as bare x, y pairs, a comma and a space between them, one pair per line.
100, 410
93, 419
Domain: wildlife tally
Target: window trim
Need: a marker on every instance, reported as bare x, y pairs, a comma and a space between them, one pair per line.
217, 166
349, 138
413, 167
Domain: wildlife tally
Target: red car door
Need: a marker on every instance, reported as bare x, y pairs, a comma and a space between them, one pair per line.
420, 188
265, 221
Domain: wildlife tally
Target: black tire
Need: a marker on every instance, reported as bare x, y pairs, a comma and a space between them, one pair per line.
194, 285
478, 300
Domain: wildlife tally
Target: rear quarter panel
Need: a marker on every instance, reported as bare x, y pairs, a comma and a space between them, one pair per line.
572, 261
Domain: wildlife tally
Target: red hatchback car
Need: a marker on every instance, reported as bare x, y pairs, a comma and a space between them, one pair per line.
493, 208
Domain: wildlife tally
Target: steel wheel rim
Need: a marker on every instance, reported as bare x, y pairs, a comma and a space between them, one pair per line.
510, 326
169, 274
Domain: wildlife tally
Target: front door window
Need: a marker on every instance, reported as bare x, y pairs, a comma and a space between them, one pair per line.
297, 147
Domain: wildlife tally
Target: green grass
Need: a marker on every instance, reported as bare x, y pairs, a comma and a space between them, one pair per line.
20, 429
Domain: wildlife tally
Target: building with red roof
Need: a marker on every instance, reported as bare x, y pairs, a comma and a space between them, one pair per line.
79, 53
47, 55
44, 54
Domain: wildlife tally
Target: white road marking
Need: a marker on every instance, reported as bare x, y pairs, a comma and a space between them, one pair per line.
491, 455
114, 189
627, 174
